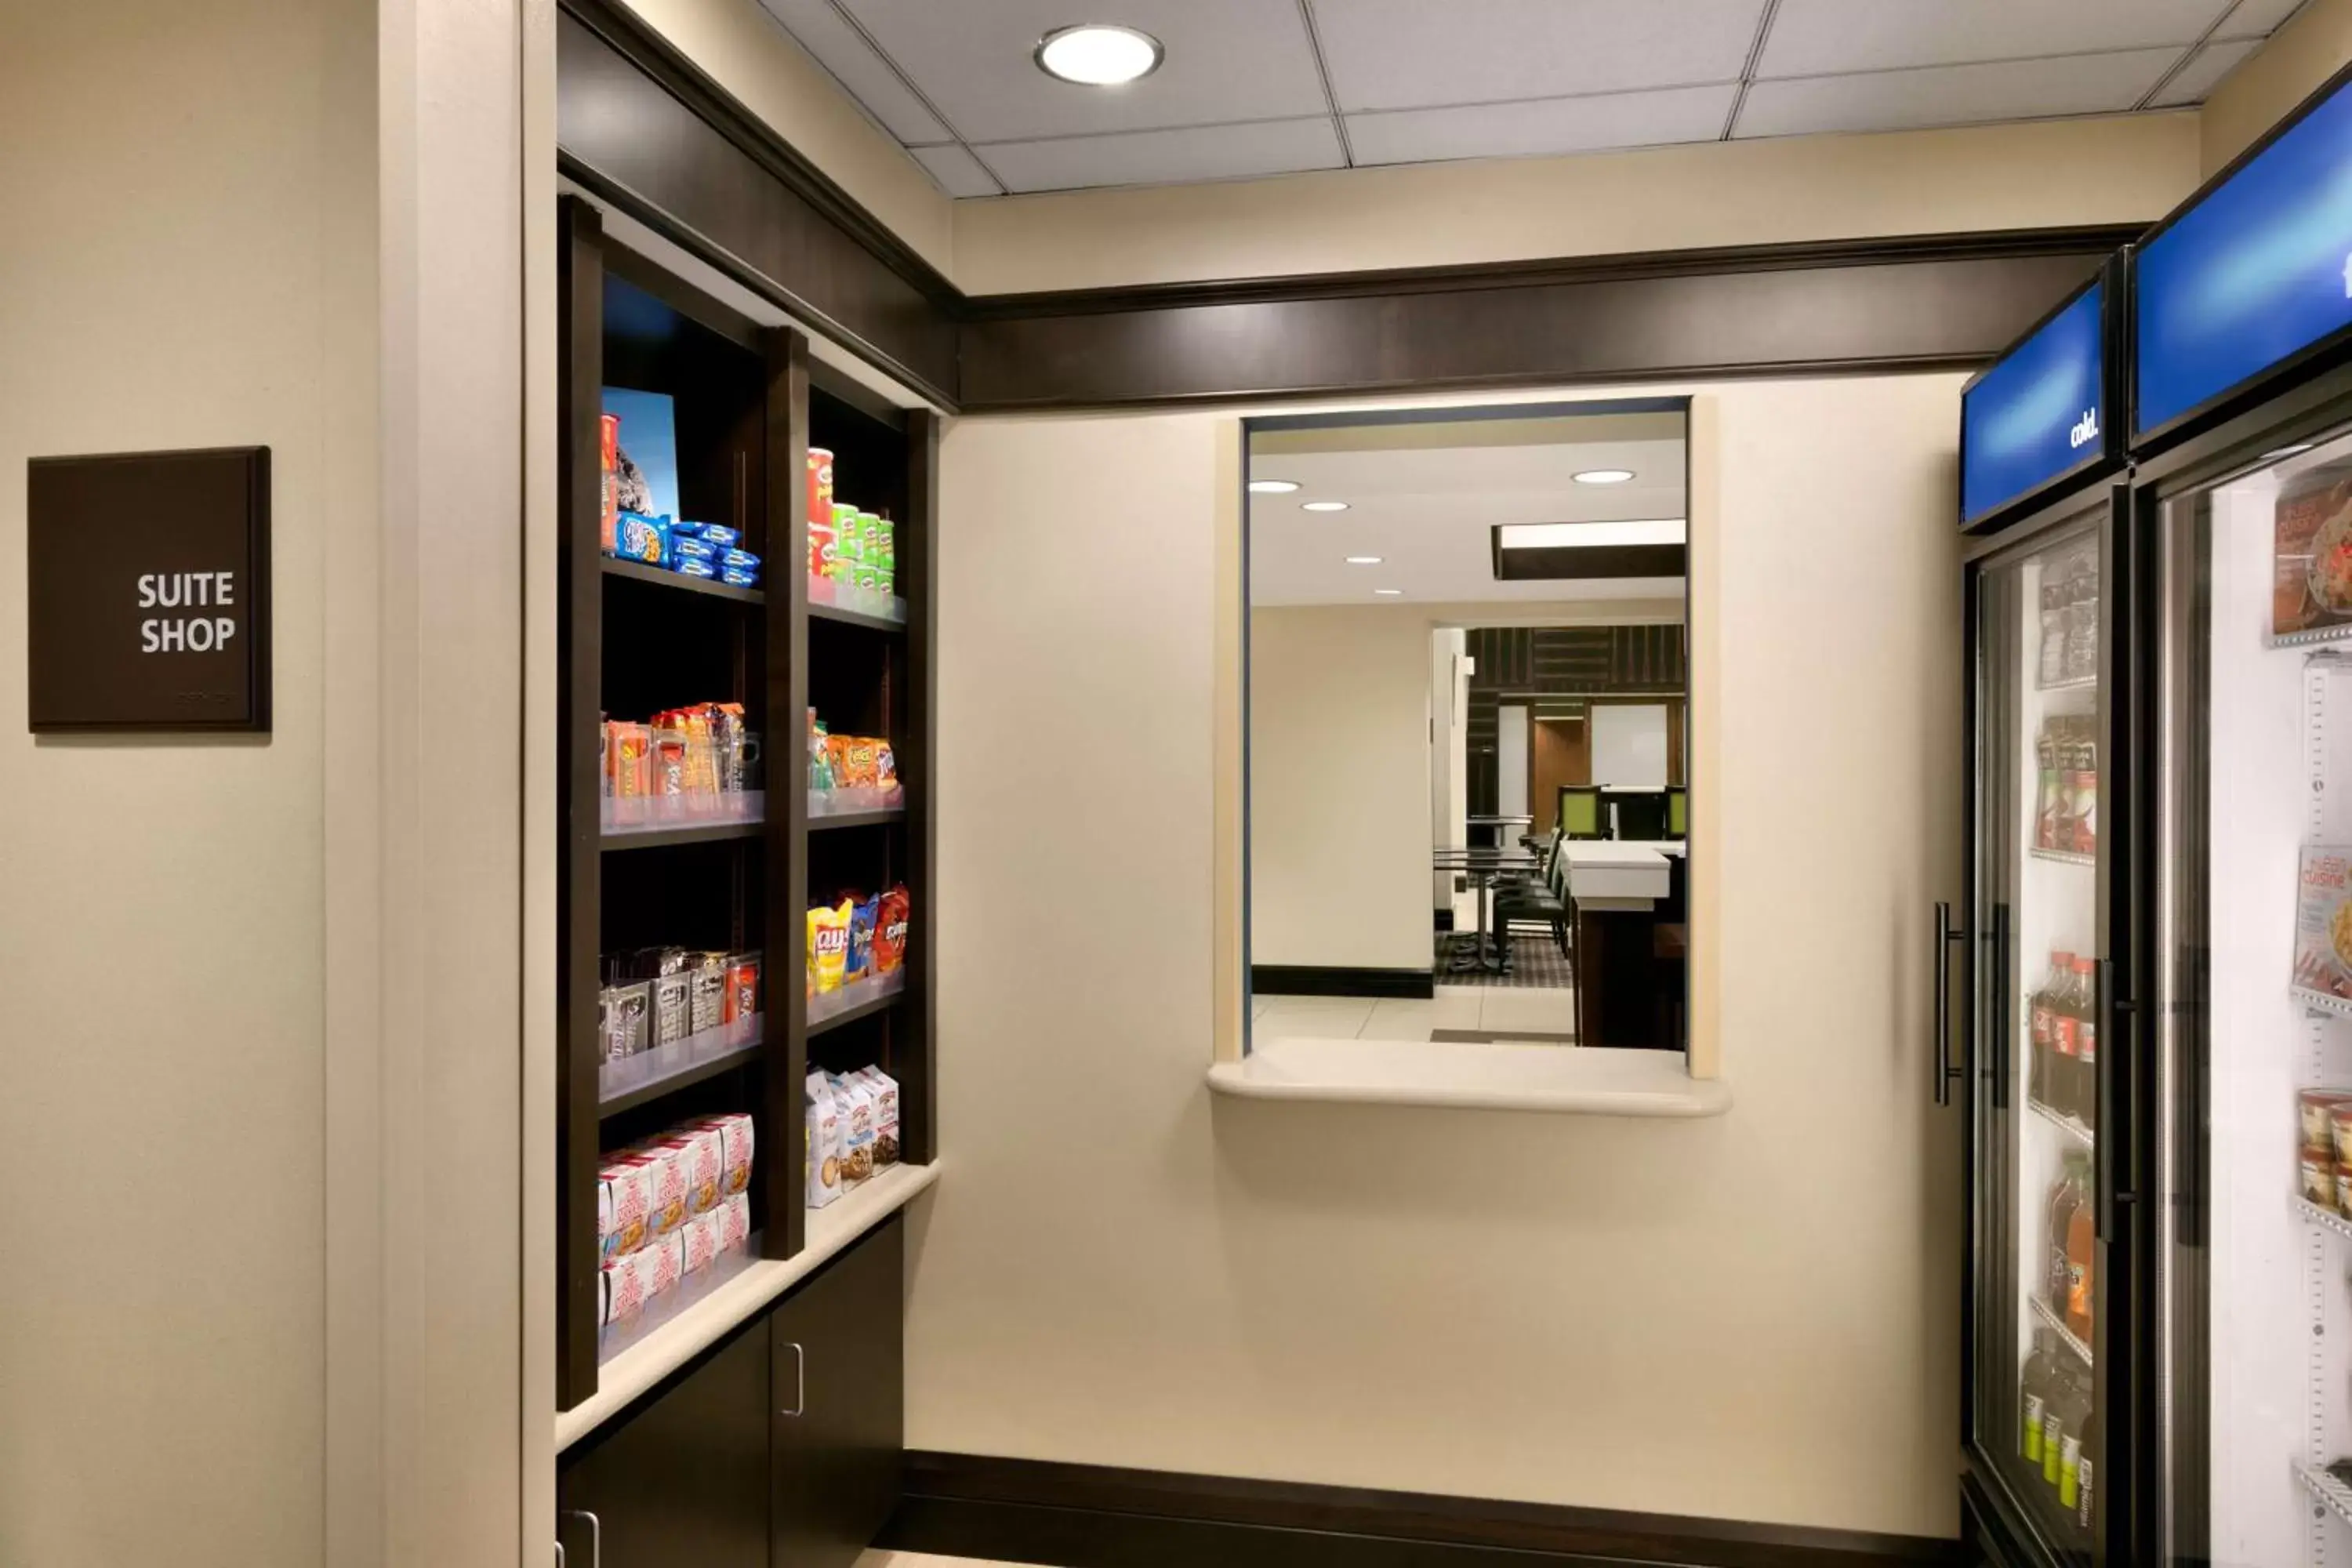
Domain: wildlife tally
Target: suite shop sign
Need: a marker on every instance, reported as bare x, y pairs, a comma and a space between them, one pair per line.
147, 578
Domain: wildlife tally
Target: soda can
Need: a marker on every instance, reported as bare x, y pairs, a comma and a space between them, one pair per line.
886, 556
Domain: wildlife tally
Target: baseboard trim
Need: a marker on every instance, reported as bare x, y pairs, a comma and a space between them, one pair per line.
1094, 1516
1330, 979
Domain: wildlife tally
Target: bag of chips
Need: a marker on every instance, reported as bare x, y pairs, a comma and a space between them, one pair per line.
859, 965
891, 929
828, 946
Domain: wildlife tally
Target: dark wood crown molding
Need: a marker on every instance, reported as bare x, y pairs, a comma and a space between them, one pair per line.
646, 130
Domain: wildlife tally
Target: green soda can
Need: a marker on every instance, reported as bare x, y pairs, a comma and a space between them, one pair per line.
870, 549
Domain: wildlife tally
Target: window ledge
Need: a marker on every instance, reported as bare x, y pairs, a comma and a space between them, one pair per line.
1562, 1080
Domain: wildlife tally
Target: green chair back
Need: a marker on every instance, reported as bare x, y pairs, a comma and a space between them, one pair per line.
1678, 813
1580, 811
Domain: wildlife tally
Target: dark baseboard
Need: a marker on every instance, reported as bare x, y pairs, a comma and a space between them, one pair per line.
1327, 979
1092, 1516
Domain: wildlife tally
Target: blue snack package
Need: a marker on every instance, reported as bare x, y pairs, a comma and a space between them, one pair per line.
739, 560
687, 566
735, 577
642, 538
859, 962
687, 547
719, 535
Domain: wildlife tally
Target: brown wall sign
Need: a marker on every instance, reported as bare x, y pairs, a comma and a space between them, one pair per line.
147, 577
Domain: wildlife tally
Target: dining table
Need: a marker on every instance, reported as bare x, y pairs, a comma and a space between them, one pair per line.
1482, 866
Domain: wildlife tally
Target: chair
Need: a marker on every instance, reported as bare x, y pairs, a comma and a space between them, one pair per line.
1641, 814
1678, 812
1580, 812
1539, 898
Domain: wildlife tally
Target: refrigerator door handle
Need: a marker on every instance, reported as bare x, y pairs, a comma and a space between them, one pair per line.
1946, 933
2110, 1010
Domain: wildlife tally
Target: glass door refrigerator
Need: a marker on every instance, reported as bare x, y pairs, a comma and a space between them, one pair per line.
2032, 964
2242, 502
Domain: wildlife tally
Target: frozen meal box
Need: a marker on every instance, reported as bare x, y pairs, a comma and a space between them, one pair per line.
2323, 921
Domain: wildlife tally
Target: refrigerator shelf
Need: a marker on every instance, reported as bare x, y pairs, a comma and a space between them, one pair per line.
2326, 1489
2307, 638
2065, 1123
2327, 1219
2057, 1325
2068, 857
2321, 1002
2075, 684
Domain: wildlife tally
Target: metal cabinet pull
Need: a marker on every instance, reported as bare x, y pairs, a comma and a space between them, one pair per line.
800, 1382
595, 1537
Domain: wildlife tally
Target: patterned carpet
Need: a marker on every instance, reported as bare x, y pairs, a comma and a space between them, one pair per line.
1535, 960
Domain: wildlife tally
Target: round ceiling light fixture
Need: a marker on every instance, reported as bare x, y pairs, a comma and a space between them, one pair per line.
1323, 505
1271, 487
1603, 476
1096, 54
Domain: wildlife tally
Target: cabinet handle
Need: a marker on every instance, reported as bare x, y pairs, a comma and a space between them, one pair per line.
559, 1559
800, 1382
596, 1538
1945, 934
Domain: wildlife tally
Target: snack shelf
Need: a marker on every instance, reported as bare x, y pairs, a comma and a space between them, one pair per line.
2325, 1219
859, 999
2065, 1123
661, 577
2057, 1325
856, 800
2326, 1489
691, 832
858, 818
849, 617
2321, 1002
2065, 857
664, 1309
625, 1083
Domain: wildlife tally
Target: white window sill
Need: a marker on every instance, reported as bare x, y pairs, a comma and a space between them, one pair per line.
1562, 1080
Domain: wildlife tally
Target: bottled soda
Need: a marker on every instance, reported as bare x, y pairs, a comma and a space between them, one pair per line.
2065, 1020
2039, 1066
2085, 995
2034, 1390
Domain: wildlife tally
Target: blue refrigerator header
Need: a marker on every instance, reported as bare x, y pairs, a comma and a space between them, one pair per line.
2254, 272
2041, 414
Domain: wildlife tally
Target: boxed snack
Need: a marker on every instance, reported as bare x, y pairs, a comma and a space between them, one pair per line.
628, 1023
2323, 921
734, 1220
673, 1007
823, 1159
702, 1157
857, 1102
666, 1169
734, 1131
642, 539
828, 947
890, 931
624, 1207
884, 1090
632, 1281
707, 993
742, 986
608, 466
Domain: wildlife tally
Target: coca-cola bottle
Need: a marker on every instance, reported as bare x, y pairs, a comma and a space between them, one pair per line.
2044, 1030
2084, 994
2065, 1017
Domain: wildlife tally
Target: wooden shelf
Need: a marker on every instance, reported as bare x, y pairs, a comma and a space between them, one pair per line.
856, 618
697, 833
858, 819
661, 577
866, 1009
631, 1082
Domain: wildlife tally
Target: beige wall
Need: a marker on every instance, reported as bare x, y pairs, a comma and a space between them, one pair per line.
2298, 57
749, 54
2056, 173
191, 263
1339, 805
1123, 1271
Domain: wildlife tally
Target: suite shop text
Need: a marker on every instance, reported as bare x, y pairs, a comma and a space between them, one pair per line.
186, 590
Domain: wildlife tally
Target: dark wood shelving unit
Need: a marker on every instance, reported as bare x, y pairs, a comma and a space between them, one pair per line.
634, 639
662, 577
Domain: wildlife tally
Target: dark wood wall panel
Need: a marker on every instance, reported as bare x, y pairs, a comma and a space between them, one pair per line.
639, 126
1803, 310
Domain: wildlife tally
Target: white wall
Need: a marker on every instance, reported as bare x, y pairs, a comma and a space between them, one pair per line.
2274, 79
1448, 752
1338, 806
1629, 743
1755, 1316
191, 262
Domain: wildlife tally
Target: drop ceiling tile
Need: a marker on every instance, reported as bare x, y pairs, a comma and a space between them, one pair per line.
1226, 60
1414, 54
1546, 125
2256, 18
2203, 73
818, 27
1162, 157
958, 173
1952, 95
1813, 38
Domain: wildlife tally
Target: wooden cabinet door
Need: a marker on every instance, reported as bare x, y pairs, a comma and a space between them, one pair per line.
685, 1479
837, 1362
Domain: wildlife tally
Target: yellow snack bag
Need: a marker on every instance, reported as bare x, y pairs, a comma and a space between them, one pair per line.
829, 945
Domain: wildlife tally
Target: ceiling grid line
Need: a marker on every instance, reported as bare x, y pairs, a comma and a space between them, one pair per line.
1323, 75
1747, 71
849, 19
2187, 55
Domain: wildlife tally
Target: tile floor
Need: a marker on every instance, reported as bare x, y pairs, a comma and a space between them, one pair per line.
1453, 1008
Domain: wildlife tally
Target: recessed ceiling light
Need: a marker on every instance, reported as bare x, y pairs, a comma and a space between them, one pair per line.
1388, 593
1273, 487
1603, 476
1323, 505
1095, 55
1573, 535
1363, 559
